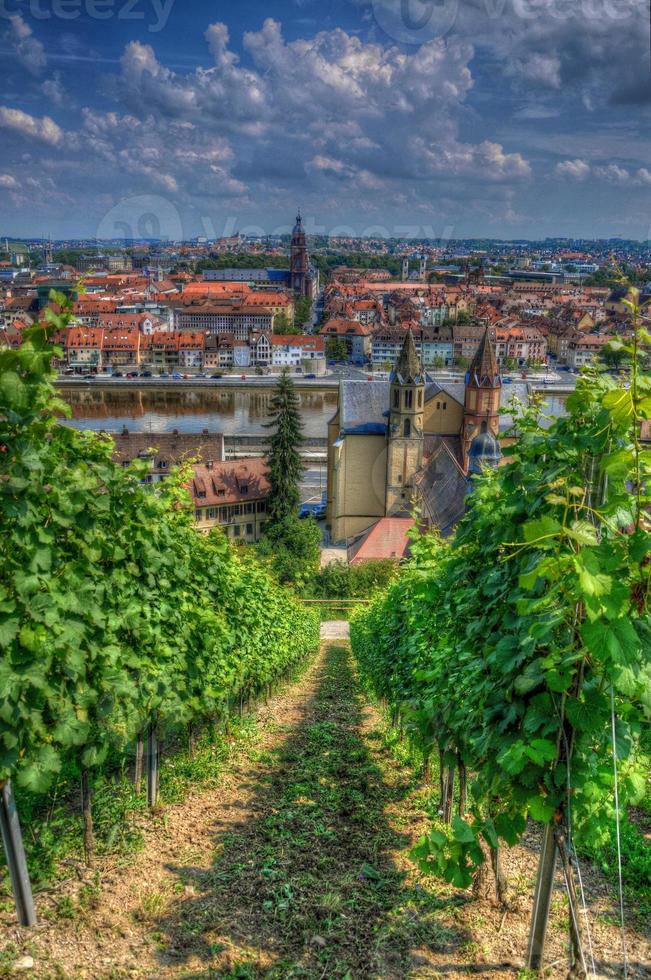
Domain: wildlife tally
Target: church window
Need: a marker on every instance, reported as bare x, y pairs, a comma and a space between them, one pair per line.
396, 399
407, 428
420, 399
409, 399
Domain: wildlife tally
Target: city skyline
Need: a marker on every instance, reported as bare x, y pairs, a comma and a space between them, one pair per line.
502, 120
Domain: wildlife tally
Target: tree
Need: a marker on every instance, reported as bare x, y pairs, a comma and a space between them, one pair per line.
337, 349
302, 311
283, 326
285, 464
293, 549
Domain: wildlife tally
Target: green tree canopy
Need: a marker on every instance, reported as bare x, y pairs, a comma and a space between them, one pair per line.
285, 464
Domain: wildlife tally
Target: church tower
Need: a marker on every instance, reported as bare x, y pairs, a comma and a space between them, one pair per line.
299, 263
405, 435
481, 413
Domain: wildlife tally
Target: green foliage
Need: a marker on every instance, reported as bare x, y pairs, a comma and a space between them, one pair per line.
292, 547
114, 611
339, 580
243, 260
285, 463
337, 349
302, 311
504, 645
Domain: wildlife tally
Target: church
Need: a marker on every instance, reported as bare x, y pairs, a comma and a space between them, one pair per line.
303, 277
410, 440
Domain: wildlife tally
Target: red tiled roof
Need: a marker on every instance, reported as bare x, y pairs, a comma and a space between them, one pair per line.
231, 482
386, 539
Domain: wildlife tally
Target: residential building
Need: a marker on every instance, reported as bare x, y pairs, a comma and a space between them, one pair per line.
584, 349
165, 450
84, 349
232, 495
296, 351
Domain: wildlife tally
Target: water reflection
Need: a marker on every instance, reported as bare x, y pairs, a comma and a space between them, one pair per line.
233, 412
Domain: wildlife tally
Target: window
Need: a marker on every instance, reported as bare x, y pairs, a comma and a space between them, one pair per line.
249, 528
163, 464
237, 530
197, 514
409, 399
261, 507
244, 489
212, 513
407, 428
396, 398
445, 405
420, 398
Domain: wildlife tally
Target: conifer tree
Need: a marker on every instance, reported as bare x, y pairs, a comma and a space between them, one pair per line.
285, 464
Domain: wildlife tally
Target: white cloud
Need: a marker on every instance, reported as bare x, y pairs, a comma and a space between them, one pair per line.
544, 69
54, 90
9, 182
43, 129
643, 176
574, 169
27, 49
612, 172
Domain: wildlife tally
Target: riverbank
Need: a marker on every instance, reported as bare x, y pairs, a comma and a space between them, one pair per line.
168, 384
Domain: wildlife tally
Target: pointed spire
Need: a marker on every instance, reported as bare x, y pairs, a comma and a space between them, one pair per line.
408, 370
483, 371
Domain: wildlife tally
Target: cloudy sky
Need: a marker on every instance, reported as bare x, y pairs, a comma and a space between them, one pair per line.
176, 118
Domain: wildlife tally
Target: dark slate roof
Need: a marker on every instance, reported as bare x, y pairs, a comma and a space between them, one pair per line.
442, 486
363, 407
455, 391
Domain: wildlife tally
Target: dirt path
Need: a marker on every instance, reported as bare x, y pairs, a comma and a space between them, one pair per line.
296, 867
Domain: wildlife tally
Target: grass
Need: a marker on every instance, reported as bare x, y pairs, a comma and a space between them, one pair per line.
307, 887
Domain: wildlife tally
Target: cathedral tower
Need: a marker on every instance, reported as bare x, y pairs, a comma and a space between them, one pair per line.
481, 413
299, 263
405, 442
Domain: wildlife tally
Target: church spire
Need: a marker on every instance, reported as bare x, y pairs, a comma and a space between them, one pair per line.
483, 371
408, 370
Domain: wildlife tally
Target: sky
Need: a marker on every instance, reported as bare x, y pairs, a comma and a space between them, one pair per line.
405, 118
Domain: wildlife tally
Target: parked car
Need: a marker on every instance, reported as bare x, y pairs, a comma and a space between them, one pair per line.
146, 374
217, 375
176, 376
117, 374
243, 377
310, 376
317, 511
163, 374
132, 374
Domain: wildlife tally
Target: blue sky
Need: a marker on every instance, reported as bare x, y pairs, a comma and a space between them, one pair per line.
497, 118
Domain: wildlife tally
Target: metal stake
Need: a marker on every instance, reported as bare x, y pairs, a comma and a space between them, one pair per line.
15, 853
542, 899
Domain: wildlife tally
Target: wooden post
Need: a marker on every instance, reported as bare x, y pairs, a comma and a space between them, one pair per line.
152, 767
463, 786
137, 773
449, 796
12, 839
542, 899
87, 817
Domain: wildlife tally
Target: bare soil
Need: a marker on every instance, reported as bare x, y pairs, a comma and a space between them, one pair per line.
297, 866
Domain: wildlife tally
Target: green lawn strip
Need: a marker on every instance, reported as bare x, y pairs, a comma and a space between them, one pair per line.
308, 887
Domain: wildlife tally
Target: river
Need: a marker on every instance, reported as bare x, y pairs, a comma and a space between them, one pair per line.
233, 412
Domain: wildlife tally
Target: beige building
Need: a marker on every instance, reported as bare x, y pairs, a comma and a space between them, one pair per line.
395, 444
232, 495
